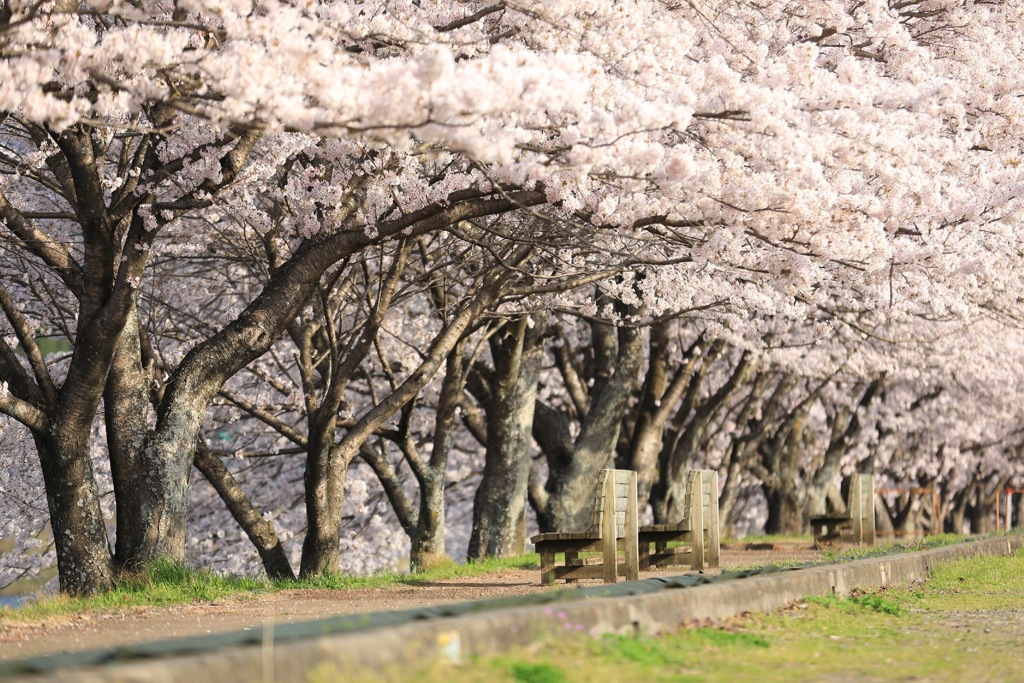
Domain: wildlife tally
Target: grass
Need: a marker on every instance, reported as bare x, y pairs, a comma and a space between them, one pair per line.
439, 571
890, 548
965, 623
166, 583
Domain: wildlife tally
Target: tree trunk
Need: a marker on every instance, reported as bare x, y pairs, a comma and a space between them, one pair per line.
845, 427
729, 496
785, 512
573, 467
957, 512
260, 531
500, 501
785, 489
983, 511
324, 482
817, 501
427, 541
1017, 521
126, 407
648, 431
428, 538
657, 398
671, 491
84, 560
883, 520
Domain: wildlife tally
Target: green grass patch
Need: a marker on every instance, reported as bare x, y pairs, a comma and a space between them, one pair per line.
890, 548
162, 583
528, 672
963, 624
166, 583
871, 602
438, 571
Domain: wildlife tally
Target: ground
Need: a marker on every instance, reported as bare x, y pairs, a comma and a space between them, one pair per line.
134, 625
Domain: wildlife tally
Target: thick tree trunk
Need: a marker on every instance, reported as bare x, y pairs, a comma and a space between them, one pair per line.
670, 494
785, 511
784, 488
983, 512
500, 501
729, 497
126, 405
573, 466
324, 482
817, 501
427, 541
846, 426
84, 560
648, 431
883, 520
956, 513
657, 398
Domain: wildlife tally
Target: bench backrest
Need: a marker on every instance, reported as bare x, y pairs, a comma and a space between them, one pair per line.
619, 487
702, 483
860, 505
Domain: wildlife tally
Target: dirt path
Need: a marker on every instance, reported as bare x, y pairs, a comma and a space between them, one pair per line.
138, 624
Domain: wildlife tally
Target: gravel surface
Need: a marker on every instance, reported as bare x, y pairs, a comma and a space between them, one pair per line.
143, 624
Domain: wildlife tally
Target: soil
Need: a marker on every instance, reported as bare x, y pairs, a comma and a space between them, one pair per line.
144, 624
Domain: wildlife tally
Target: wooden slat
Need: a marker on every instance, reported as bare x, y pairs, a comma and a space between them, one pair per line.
563, 536
697, 532
608, 534
714, 526
630, 533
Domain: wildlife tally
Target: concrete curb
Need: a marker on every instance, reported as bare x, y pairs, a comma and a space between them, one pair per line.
453, 639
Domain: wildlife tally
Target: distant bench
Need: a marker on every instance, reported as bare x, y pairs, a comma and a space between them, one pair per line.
857, 524
698, 528
613, 529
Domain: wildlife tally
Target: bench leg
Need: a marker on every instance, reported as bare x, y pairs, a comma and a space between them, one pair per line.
645, 556
547, 566
569, 556
609, 560
632, 558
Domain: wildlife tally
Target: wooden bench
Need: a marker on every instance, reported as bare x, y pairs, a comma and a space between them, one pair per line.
857, 524
698, 529
613, 528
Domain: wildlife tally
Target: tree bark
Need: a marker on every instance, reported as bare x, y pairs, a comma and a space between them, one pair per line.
846, 426
202, 373
428, 538
500, 501
259, 531
657, 398
573, 464
84, 560
126, 405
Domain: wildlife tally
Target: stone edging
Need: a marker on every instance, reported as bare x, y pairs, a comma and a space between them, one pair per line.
453, 639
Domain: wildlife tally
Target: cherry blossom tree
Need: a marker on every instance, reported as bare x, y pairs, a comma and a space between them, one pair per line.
854, 164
